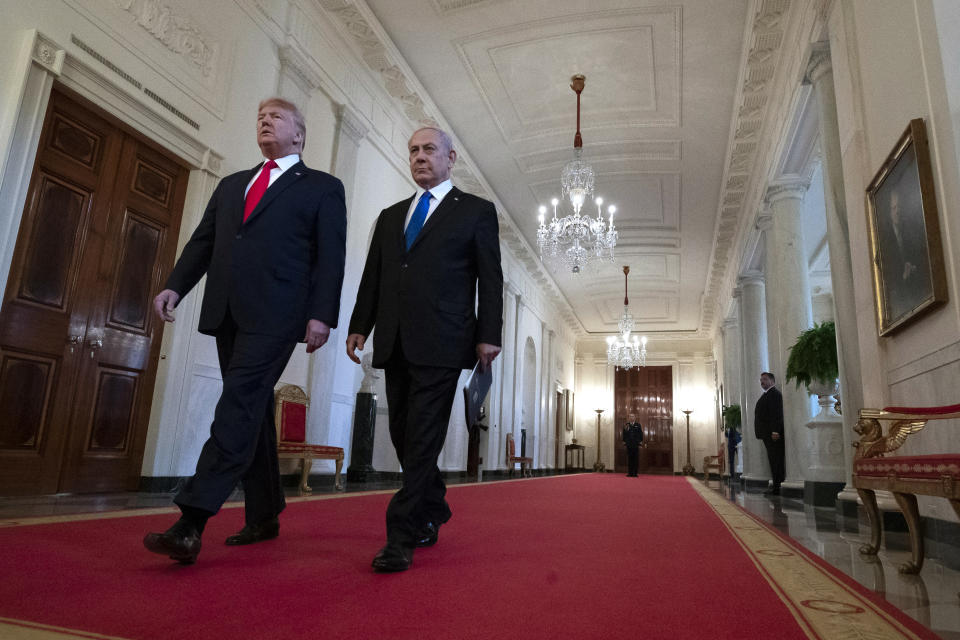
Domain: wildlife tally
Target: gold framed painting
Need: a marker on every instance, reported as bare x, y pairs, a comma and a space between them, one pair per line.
909, 277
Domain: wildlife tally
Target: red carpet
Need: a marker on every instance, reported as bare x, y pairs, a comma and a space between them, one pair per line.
585, 556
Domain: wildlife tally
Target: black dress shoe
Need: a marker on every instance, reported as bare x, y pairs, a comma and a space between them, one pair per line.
265, 530
427, 536
181, 542
392, 558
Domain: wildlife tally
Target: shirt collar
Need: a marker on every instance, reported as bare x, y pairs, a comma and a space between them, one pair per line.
438, 192
286, 162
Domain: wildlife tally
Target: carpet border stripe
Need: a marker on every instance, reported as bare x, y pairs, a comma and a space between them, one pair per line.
15, 629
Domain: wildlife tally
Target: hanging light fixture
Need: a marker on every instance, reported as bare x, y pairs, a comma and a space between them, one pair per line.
624, 352
573, 241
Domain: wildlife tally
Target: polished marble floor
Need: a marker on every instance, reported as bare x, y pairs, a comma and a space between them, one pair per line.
932, 598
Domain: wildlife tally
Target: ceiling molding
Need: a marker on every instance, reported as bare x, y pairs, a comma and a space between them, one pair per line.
444, 7
481, 53
767, 29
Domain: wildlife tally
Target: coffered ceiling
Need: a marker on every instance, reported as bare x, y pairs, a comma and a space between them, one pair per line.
661, 117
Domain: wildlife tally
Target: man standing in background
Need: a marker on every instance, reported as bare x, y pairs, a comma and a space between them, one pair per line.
768, 425
632, 439
271, 243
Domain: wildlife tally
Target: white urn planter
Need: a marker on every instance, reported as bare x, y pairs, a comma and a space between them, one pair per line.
824, 392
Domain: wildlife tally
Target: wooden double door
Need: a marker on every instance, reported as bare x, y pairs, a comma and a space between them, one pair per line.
78, 340
648, 393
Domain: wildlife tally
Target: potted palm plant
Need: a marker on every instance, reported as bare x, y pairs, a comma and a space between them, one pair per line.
813, 363
731, 417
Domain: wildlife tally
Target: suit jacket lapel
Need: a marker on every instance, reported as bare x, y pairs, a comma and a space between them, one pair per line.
450, 202
398, 221
288, 177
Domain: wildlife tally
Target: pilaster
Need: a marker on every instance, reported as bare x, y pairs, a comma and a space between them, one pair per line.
330, 362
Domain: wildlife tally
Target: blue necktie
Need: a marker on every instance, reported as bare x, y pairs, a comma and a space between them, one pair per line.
417, 219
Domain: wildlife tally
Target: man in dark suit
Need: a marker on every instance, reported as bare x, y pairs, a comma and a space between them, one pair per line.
632, 439
271, 243
768, 426
432, 255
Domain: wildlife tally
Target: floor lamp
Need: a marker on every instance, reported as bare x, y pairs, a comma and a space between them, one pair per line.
688, 469
598, 466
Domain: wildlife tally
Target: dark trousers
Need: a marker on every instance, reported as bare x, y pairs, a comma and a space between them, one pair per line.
633, 460
776, 454
419, 400
243, 437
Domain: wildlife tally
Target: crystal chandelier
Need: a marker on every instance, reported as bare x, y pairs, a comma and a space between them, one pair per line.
573, 241
624, 352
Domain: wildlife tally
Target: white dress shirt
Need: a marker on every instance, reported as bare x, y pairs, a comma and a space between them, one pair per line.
437, 194
283, 164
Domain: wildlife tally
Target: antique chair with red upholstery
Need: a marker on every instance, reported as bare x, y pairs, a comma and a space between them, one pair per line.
291, 415
906, 476
525, 462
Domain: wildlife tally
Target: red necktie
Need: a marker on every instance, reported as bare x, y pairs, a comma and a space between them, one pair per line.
257, 189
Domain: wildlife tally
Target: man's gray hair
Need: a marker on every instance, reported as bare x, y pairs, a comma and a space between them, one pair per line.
443, 135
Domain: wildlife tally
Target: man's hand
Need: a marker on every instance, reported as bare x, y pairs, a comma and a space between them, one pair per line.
486, 353
317, 334
774, 436
164, 304
355, 341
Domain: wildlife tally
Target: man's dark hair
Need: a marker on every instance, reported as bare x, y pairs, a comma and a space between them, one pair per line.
769, 375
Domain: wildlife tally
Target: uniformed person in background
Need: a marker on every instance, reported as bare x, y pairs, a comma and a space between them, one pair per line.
632, 438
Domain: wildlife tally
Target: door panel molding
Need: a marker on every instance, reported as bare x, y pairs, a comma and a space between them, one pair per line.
98, 260
43, 61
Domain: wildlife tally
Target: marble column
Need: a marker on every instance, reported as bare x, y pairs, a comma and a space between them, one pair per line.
820, 76
731, 360
789, 312
732, 372
753, 326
